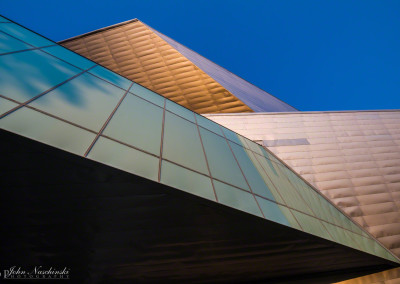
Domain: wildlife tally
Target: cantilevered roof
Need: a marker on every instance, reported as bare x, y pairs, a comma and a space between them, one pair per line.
163, 65
61, 99
352, 157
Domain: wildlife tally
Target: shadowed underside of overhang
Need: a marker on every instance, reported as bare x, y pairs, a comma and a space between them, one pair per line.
351, 157
107, 225
155, 61
54, 96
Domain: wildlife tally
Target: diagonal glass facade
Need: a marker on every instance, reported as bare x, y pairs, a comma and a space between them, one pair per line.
57, 97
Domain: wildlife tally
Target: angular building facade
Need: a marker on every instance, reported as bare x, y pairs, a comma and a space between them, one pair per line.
121, 184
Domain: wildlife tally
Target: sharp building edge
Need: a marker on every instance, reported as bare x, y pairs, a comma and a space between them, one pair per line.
120, 183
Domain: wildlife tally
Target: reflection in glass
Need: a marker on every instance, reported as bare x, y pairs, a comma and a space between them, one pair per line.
186, 180
6, 105
252, 175
147, 95
180, 110
111, 77
182, 143
125, 158
85, 100
208, 124
138, 123
254, 158
230, 135
236, 198
27, 74
69, 56
289, 194
272, 211
10, 44
311, 225
222, 163
25, 35
43, 128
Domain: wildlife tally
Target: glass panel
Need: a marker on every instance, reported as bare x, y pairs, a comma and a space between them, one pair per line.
69, 56
230, 135
9, 44
85, 100
182, 143
252, 175
48, 130
147, 95
125, 158
222, 164
272, 211
271, 157
236, 198
208, 124
111, 77
289, 215
27, 74
186, 180
255, 147
179, 110
6, 105
2, 19
138, 123
287, 191
25, 35
340, 236
308, 195
265, 177
311, 225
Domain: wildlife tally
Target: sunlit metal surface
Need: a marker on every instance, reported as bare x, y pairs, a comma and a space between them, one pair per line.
96, 117
353, 158
391, 276
155, 61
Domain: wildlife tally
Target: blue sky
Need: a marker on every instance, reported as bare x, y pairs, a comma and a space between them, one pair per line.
314, 55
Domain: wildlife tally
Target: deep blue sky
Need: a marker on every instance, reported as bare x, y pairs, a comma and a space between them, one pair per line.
315, 55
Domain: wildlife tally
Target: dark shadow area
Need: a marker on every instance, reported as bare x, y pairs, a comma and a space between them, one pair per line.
108, 226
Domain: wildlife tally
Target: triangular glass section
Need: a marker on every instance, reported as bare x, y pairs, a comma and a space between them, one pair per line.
64, 100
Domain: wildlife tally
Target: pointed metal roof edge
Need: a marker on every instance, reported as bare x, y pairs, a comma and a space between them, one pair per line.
99, 30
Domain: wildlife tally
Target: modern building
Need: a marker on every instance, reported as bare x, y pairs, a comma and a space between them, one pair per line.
111, 177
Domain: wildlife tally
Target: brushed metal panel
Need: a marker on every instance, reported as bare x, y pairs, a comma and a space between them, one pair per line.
135, 51
353, 159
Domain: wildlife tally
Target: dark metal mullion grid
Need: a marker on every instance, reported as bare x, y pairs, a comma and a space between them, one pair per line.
17, 38
173, 162
285, 204
330, 202
162, 141
205, 156
306, 203
44, 93
232, 141
295, 209
30, 49
106, 123
151, 154
107, 69
340, 211
248, 184
223, 135
40, 48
